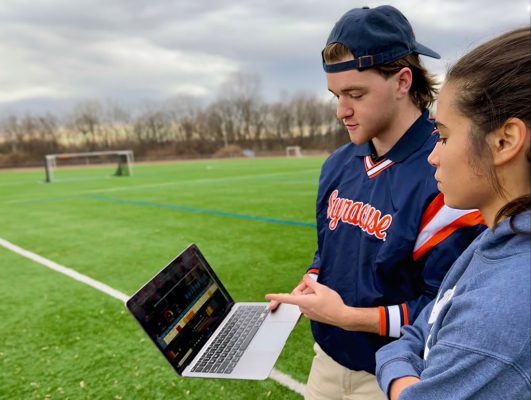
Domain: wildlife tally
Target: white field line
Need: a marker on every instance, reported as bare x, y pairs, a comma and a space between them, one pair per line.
162, 184
277, 376
287, 381
64, 270
196, 181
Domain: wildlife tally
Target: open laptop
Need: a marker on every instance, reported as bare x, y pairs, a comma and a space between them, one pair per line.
192, 319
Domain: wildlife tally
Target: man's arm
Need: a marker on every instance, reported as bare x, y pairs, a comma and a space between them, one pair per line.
444, 234
320, 303
323, 304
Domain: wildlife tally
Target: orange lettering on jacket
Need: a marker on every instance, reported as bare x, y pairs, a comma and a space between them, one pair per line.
356, 213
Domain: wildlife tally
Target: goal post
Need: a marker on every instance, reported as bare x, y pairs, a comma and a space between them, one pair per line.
293, 151
123, 158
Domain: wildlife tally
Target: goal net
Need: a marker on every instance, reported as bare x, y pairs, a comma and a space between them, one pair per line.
123, 158
293, 151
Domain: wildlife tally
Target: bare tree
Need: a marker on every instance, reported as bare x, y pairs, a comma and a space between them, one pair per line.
118, 126
241, 100
182, 112
152, 127
86, 119
12, 128
40, 133
181, 125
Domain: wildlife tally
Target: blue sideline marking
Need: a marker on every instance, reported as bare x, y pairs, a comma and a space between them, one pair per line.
201, 211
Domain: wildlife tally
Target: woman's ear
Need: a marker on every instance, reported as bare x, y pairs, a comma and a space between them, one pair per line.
509, 141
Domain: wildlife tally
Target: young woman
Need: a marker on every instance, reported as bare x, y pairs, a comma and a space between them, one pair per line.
473, 340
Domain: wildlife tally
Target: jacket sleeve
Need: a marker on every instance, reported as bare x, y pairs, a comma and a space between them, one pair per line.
444, 234
315, 265
404, 357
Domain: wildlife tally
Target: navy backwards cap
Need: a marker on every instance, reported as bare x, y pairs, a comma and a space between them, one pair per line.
374, 36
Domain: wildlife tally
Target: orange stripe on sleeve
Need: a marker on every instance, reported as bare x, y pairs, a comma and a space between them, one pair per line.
313, 271
405, 314
470, 219
383, 321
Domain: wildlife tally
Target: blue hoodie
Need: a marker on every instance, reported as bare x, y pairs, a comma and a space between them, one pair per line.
473, 340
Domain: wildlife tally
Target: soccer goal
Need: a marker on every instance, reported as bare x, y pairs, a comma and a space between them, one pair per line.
124, 159
293, 151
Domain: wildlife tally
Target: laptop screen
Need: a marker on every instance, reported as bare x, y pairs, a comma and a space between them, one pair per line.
181, 307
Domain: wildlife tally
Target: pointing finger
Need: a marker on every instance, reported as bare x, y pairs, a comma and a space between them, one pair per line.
284, 298
273, 305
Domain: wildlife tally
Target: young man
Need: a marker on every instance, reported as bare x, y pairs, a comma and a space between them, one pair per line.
385, 237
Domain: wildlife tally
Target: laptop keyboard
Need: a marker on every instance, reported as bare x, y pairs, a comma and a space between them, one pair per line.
226, 350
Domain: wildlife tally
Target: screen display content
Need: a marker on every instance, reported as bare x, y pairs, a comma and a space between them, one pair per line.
189, 306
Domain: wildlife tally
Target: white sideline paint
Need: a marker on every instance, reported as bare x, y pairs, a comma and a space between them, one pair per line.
277, 376
141, 187
288, 381
65, 271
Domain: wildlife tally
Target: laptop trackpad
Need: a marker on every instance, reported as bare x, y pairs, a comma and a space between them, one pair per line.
263, 351
255, 365
271, 337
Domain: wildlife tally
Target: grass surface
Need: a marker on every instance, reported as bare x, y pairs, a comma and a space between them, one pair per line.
253, 220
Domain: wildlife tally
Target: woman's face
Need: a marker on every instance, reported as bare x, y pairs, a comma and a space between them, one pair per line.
462, 179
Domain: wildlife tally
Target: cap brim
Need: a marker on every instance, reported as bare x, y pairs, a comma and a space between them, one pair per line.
421, 49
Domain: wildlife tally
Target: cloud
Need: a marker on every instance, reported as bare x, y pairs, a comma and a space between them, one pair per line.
133, 50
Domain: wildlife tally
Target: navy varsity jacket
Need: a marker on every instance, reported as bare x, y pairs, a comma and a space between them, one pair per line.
385, 239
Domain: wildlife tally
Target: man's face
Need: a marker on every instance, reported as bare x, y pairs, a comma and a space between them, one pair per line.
366, 103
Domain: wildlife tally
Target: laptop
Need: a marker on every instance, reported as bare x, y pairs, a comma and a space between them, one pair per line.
192, 319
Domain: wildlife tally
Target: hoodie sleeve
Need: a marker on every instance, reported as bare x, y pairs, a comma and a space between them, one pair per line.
461, 373
478, 338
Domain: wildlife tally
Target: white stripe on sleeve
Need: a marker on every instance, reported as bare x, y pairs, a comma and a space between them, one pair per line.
395, 321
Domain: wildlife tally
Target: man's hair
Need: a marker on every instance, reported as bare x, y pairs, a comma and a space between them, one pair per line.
422, 91
493, 86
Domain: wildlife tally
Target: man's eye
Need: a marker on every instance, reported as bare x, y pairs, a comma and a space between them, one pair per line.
442, 140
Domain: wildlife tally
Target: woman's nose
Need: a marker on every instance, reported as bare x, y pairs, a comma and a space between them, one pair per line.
433, 158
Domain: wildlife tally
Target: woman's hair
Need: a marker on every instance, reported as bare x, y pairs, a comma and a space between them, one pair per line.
422, 91
493, 84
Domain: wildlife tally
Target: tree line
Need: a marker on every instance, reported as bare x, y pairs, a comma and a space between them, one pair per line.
237, 119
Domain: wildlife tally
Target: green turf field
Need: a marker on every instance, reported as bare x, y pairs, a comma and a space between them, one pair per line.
61, 339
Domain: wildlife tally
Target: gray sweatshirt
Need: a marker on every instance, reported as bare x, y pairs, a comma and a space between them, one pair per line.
473, 340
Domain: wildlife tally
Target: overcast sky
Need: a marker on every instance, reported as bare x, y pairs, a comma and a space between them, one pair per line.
56, 53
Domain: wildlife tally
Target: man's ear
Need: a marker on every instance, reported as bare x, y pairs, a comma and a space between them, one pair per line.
404, 80
509, 141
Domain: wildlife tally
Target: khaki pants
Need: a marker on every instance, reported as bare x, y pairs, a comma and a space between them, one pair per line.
329, 380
